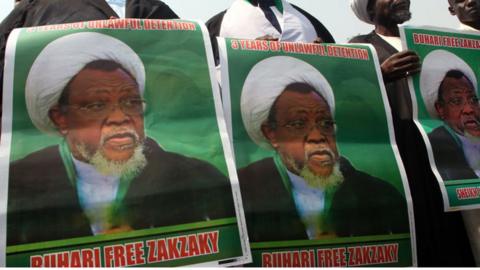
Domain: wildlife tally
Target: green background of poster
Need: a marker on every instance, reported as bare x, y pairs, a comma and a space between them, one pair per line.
472, 58
19, 256
180, 115
402, 240
180, 112
362, 127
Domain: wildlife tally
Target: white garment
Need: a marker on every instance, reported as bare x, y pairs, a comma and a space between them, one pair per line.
118, 6
96, 193
471, 150
465, 27
246, 21
395, 42
310, 204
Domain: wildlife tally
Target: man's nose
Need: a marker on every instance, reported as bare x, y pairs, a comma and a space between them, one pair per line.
315, 135
469, 108
117, 116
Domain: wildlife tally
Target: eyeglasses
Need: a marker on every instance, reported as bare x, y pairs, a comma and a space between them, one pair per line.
100, 109
460, 102
301, 127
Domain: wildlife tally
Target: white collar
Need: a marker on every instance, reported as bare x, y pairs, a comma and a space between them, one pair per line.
299, 183
245, 21
471, 151
96, 193
309, 202
395, 42
118, 6
89, 175
465, 27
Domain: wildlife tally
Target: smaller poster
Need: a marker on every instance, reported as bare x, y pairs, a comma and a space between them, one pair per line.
447, 111
321, 179
114, 149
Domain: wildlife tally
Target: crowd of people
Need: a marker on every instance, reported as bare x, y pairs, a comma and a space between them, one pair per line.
442, 239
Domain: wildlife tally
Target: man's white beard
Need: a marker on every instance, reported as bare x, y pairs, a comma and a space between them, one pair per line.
316, 181
131, 167
472, 138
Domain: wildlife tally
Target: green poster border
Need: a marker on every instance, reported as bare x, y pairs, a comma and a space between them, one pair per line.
236, 220
450, 201
120, 236
403, 259
339, 240
229, 252
409, 237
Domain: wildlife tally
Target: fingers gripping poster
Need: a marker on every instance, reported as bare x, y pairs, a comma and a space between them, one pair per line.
118, 153
321, 179
447, 109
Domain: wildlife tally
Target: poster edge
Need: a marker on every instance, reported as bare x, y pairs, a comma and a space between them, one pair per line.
6, 137
398, 159
225, 89
227, 147
447, 207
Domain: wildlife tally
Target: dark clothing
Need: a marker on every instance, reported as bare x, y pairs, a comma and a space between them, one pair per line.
214, 25
45, 12
441, 238
362, 205
172, 189
449, 157
397, 91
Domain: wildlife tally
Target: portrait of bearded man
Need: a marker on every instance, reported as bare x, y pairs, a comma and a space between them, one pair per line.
307, 190
449, 89
106, 175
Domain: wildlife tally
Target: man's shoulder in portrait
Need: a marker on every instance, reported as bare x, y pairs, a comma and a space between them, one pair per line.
171, 189
362, 204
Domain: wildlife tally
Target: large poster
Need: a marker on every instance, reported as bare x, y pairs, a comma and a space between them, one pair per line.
447, 111
321, 179
115, 149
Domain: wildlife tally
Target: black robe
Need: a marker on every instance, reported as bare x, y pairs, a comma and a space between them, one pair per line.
45, 12
362, 205
172, 189
441, 237
449, 157
214, 25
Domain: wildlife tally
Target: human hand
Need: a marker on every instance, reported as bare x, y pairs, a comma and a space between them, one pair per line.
400, 65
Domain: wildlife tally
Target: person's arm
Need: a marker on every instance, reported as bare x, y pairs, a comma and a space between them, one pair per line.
213, 25
323, 34
394, 66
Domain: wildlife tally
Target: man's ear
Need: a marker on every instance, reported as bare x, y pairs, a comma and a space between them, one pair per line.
440, 109
270, 134
58, 118
451, 9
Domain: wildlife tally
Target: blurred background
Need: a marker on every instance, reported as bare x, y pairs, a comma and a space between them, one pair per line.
335, 15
